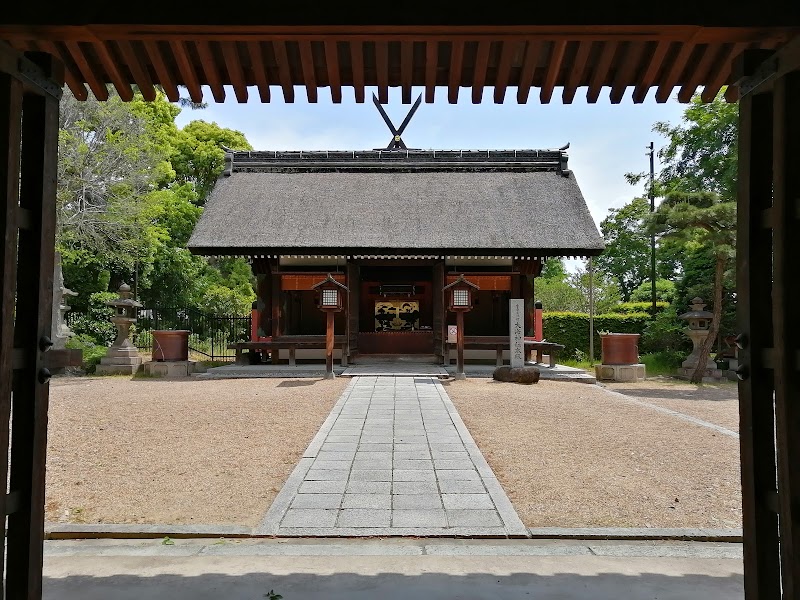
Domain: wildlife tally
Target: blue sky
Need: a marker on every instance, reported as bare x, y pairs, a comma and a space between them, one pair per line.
606, 141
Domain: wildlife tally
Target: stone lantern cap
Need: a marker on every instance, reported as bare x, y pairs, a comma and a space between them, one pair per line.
697, 311
124, 299
698, 318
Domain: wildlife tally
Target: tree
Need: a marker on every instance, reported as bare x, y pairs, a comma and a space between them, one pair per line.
199, 158
570, 291
605, 290
553, 268
130, 186
627, 255
705, 219
107, 164
665, 292
701, 155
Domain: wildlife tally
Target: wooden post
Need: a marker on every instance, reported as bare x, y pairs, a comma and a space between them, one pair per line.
786, 320
329, 347
460, 345
10, 119
754, 300
36, 253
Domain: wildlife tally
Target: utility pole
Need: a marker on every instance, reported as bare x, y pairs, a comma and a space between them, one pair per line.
652, 196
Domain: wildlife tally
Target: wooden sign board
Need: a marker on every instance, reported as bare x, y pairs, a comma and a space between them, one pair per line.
452, 334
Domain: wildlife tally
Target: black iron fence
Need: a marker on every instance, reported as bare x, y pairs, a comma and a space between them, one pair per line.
209, 335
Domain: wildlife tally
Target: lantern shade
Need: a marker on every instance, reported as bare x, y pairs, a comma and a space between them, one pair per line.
460, 294
331, 294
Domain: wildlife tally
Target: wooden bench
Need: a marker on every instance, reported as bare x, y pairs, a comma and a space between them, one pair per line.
501, 342
540, 348
287, 342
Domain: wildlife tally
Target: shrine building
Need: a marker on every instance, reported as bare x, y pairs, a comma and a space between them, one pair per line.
394, 226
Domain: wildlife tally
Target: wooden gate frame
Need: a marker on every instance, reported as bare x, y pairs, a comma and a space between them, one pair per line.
769, 214
768, 289
30, 90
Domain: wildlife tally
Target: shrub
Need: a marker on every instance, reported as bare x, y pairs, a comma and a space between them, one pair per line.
665, 334
638, 307
572, 329
96, 322
92, 351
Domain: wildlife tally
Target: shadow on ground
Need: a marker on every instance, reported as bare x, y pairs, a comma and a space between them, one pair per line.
297, 383
392, 586
707, 393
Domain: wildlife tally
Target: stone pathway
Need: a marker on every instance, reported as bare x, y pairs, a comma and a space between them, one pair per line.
393, 458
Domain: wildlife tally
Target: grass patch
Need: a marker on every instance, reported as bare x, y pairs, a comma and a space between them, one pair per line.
657, 363
662, 363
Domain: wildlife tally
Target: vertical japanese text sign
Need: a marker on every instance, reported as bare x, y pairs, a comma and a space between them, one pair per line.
517, 332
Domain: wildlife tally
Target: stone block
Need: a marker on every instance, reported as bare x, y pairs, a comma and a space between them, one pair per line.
524, 375
627, 373
181, 368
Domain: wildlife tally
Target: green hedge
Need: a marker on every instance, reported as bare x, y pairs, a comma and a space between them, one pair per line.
572, 329
637, 307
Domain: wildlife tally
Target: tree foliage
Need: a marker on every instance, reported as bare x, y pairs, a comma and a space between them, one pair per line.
131, 189
707, 220
701, 155
199, 158
627, 255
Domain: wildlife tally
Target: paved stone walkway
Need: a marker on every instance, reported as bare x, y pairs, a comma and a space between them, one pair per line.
393, 458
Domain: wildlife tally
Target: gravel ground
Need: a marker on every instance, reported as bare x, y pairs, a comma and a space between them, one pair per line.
718, 403
177, 451
573, 455
217, 452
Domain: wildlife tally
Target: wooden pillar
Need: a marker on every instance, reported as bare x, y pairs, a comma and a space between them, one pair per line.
786, 320
460, 345
10, 119
277, 301
527, 295
353, 309
439, 314
754, 301
329, 346
36, 219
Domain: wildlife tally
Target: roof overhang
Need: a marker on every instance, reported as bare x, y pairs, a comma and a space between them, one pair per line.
536, 45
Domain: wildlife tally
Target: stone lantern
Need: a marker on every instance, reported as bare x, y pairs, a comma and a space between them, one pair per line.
122, 357
699, 321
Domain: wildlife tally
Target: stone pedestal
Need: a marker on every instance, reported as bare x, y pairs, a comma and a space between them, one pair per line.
709, 375
120, 360
171, 368
626, 373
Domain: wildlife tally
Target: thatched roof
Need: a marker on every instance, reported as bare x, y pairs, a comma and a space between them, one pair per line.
468, 203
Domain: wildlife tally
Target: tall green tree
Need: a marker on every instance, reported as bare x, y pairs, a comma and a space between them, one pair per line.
130, 186
701, 155
704, 219
627, 255
107, 164
199, 158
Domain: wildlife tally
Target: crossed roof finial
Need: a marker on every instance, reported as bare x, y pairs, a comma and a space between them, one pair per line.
397, 140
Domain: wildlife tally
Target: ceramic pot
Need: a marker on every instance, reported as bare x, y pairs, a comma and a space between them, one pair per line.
171, 345
620, 348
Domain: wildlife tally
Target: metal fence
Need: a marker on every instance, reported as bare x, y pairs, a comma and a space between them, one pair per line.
209, 335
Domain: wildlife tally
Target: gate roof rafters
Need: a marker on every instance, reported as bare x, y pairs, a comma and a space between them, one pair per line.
619, 57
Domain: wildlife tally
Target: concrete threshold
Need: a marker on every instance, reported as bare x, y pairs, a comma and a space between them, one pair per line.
82, 531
